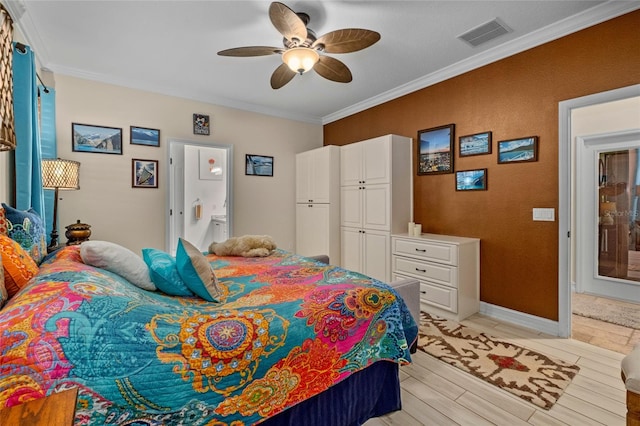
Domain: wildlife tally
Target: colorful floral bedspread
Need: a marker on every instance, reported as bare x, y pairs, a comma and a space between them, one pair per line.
288, 329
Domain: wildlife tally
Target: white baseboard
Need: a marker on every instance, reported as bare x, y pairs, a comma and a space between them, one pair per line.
542, 325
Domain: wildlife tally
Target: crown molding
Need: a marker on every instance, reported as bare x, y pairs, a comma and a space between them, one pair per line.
588, 18
195, 96
21, 18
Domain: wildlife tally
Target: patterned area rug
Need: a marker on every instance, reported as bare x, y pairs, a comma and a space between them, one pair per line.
530, 375
603, 309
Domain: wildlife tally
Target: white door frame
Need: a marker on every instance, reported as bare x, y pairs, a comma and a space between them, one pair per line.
565, 155
172, 142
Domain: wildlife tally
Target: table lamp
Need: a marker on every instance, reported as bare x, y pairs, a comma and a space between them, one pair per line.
58, 174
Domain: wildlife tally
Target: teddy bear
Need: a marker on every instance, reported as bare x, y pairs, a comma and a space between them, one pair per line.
246, 246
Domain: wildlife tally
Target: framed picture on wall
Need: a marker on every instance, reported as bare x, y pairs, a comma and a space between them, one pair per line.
200, 124
471, 180
144, 173
258, 165
518, 150
435, 150
96, 139
476, 144
145, 136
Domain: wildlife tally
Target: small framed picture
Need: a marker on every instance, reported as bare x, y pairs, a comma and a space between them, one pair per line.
200, 124
471, 180
476, 144
258, 165
518, 150
144, 173
435, 150
96, 139
144, 136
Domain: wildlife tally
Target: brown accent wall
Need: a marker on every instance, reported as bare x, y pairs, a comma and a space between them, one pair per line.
514, 97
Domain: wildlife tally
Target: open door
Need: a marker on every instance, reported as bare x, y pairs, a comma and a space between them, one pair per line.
200, 193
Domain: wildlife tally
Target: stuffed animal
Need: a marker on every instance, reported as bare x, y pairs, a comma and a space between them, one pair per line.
246, 246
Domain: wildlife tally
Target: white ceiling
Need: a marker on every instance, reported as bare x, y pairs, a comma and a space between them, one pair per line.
171, 47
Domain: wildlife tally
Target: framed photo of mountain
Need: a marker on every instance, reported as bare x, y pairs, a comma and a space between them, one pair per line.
145, 136
96, 139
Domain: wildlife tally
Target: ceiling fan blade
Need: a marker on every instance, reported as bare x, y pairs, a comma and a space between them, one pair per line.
281, 76
251, 51
287, 22
347, 40
332, 69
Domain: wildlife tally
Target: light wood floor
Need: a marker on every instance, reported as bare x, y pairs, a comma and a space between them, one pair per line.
603, 334
435, 393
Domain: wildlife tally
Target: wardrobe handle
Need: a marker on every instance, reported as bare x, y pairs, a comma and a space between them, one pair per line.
421, 270
421, 250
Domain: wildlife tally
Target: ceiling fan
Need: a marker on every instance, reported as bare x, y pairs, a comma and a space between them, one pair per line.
302, 51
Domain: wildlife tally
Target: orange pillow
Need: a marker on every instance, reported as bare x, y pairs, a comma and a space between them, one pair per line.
18, 265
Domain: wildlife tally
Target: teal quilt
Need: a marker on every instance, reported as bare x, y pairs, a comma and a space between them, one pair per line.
287, 328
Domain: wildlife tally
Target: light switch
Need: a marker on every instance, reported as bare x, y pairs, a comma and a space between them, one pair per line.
548, 215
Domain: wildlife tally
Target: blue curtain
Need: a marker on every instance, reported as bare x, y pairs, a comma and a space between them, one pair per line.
48, 144
29, 192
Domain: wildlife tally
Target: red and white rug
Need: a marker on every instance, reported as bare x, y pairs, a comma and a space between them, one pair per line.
530, 375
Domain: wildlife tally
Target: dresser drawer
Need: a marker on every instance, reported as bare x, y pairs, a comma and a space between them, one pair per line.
428, 250
442, 297
438, 273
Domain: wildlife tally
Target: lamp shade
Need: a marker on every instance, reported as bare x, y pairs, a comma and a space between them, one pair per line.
60, 174
300, 59
7, 125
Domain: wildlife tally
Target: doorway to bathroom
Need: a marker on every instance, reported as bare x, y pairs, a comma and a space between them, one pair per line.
200, 193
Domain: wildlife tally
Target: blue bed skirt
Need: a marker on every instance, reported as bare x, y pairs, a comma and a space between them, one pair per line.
372, 392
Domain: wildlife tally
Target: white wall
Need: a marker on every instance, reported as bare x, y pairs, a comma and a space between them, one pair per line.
135, 217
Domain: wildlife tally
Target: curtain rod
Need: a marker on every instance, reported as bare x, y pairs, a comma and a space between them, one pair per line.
23, 49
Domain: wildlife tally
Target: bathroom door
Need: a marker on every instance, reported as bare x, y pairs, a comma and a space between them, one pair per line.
607, 220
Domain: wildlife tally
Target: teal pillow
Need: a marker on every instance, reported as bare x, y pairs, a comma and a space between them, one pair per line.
27, 229
164, 272
196, 272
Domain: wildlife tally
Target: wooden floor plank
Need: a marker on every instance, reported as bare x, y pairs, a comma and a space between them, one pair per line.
496, 415
591, 411
450, 408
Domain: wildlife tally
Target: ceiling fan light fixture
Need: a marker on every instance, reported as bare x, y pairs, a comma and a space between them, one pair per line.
300, 59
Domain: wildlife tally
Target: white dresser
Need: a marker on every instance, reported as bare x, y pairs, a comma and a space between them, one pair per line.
447, 267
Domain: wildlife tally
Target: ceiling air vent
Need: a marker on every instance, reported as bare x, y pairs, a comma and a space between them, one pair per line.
485, 32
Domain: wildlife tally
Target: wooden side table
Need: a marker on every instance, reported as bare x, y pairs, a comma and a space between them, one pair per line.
56, 409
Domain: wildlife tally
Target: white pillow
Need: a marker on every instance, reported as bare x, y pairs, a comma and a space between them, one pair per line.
119, 260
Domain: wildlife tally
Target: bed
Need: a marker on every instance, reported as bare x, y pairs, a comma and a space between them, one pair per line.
291, 341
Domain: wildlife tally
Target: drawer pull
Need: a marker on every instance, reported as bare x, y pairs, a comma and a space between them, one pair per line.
421, 270
421, 250
423, 292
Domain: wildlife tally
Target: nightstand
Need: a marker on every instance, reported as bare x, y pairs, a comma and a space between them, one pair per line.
56, 409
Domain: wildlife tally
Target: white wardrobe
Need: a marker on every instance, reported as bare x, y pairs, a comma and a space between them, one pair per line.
318, 203
376, 190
